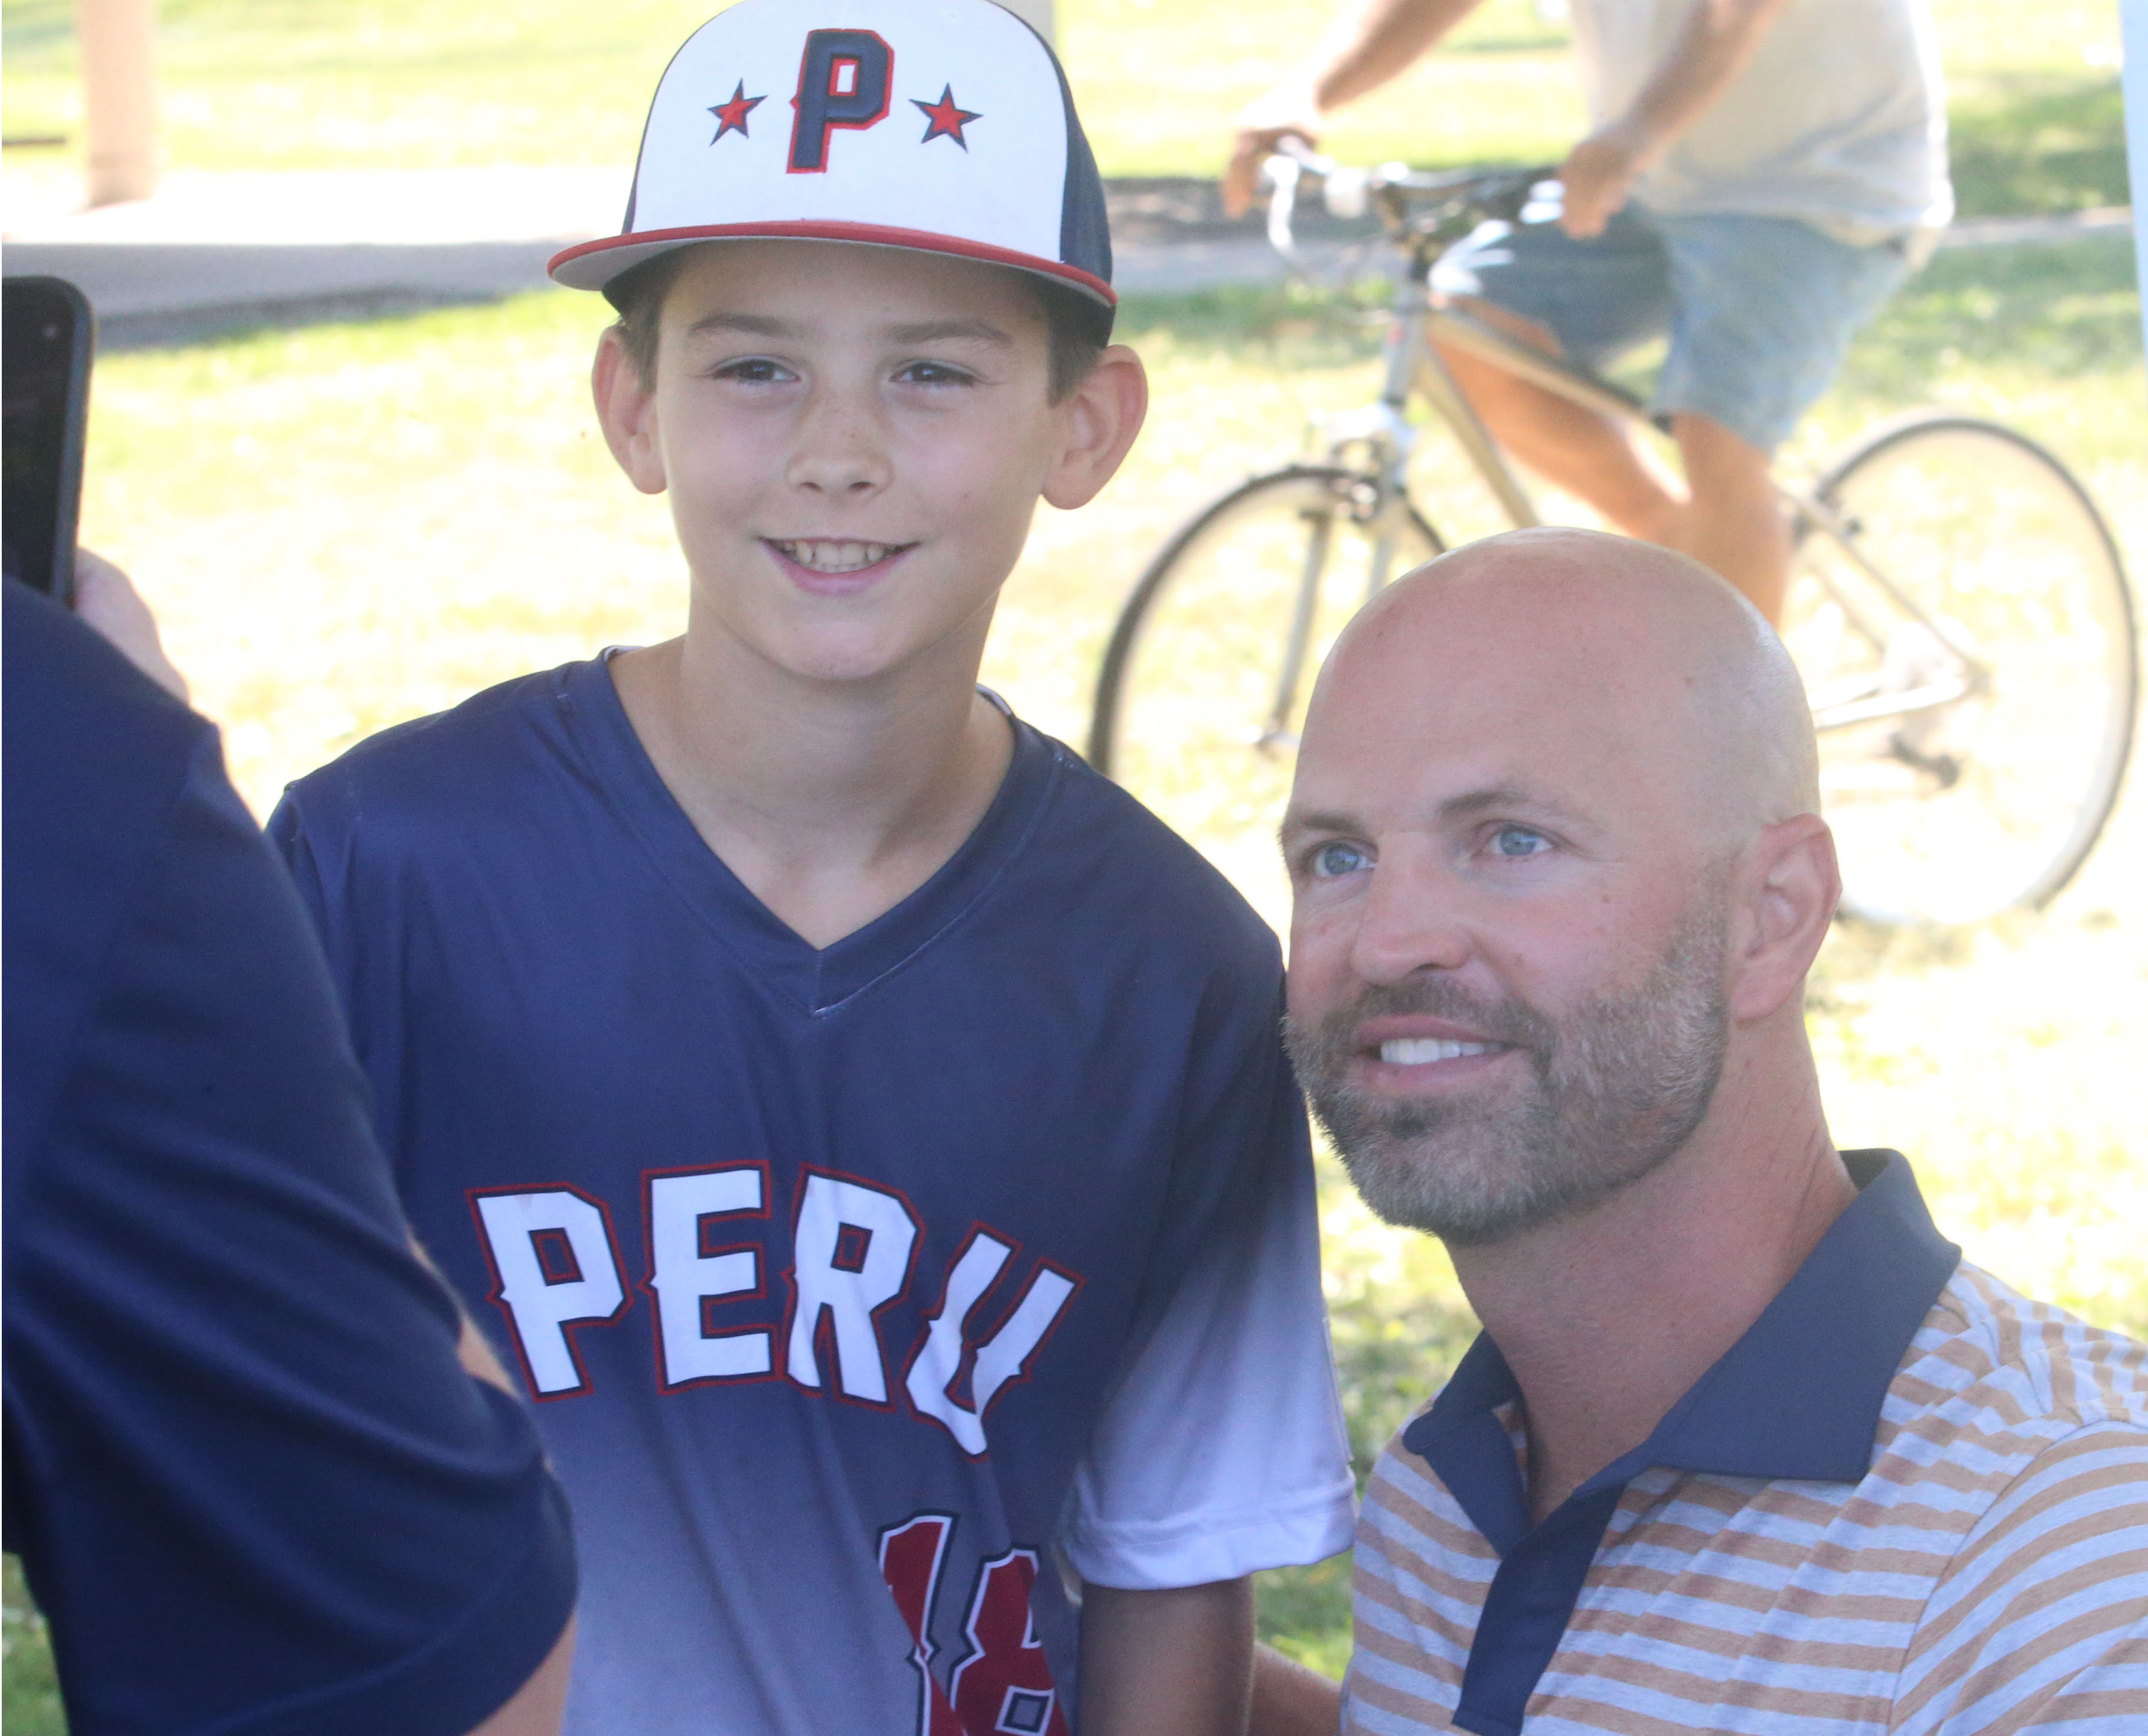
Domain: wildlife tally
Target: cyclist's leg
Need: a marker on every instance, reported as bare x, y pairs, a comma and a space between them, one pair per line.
1762, 310
1571, 447
1734, 522
1587, 300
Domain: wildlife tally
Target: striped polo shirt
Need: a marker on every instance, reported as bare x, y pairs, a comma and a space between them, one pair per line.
1908, 1500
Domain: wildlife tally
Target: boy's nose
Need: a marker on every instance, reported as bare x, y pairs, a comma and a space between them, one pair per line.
839, 455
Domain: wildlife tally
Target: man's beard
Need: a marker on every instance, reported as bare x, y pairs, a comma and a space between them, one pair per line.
1613, 1091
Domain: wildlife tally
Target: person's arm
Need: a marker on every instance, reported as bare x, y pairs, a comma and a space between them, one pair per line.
226, 1370
1720, 39
1363, 47
1166, 1662
1291, 1700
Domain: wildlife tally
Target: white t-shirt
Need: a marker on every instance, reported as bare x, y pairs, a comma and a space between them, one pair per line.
1840, 119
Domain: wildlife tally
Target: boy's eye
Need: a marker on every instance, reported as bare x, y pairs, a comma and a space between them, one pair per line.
754, 370
1332, 861
1518, 840
934, 373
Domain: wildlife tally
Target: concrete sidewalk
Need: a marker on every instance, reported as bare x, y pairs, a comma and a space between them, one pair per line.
214, 251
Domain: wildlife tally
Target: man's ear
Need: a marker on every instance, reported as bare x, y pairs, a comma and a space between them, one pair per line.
1788, 891
1102, 416
626, 410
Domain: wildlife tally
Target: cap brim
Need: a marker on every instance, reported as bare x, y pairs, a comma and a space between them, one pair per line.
592, 264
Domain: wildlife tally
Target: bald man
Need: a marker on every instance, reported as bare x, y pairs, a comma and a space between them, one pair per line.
1745, 1445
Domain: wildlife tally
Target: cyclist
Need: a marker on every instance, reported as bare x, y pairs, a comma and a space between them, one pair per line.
1759, 176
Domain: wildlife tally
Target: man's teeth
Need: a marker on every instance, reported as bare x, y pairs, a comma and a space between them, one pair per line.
827, 557
1414, 1051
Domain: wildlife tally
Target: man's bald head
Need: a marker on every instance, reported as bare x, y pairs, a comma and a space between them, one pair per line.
1627, 642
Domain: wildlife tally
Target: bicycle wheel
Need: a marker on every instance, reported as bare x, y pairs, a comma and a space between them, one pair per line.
1205, 682
1973, 675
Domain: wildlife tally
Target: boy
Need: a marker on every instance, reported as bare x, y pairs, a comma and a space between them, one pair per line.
921, 1094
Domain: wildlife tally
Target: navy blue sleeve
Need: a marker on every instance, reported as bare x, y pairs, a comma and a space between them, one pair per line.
251, 1487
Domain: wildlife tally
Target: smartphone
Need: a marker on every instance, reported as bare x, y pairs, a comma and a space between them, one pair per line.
50, 331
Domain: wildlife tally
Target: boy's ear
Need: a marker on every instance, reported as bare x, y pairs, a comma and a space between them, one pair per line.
1101, 417
626, 410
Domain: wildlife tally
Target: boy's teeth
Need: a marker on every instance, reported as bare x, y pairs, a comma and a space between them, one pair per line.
1414, 1051
829, 557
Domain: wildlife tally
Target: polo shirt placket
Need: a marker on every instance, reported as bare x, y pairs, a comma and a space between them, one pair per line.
1799, 1396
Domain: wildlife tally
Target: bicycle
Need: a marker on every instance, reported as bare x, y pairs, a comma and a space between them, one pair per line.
1958, 610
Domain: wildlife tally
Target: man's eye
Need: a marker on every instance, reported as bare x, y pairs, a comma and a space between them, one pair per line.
1518, 840
1331, 861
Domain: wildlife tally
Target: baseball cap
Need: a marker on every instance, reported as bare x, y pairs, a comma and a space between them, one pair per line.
942, 125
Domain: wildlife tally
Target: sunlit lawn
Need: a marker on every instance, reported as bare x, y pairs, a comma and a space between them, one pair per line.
349, 525
256, 84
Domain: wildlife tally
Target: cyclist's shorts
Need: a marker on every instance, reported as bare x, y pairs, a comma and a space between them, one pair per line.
1759, 310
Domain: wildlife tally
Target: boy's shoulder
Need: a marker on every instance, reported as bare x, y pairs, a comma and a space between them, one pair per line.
1107, 846
469, 759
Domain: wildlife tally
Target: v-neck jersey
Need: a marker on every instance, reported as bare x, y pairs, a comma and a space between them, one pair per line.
818, 979
984, 1237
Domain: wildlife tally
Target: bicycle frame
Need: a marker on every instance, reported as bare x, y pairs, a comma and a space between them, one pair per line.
1413, 364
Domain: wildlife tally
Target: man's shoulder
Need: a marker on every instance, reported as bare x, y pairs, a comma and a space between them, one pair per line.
2002, 1397
2028, 1445
1985, 1348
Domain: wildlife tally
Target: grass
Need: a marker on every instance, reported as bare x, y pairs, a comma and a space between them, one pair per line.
410, 84
29, 1692
346, 525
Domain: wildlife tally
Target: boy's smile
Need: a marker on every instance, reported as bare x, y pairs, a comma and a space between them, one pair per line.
827, 568
853, 439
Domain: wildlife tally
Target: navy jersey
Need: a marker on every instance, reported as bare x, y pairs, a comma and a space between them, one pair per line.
856, 1286
250, 1483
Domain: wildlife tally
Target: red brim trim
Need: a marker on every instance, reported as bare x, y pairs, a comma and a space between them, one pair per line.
592, 264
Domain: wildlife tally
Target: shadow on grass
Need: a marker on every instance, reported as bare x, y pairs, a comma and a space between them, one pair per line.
2061, 310
1281, 324
1304, 1612
29, 1692
2027, 143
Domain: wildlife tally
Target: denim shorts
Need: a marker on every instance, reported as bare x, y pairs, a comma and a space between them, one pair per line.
1759, 310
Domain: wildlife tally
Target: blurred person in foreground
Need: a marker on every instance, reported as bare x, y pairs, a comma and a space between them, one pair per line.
1744, 1443
1760, 176
253, 1482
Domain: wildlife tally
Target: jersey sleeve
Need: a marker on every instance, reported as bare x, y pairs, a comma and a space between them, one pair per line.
1223, 1451
2042, 1622
254, 1489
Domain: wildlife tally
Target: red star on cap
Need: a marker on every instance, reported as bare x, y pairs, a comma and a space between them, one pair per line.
730, 117
945, 120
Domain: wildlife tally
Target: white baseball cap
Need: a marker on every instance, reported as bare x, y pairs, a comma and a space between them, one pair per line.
942, 125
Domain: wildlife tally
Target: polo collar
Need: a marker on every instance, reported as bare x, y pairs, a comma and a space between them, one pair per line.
1799, 1396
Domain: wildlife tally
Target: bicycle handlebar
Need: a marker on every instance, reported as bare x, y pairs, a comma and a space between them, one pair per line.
1475, 193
